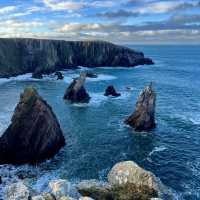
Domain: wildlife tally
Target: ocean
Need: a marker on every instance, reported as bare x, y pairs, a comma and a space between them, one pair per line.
96, 137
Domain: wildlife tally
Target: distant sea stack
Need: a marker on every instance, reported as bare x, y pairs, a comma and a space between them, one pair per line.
19, 56
34, 133
76, 92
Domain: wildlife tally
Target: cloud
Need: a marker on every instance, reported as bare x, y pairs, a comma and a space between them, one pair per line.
56, 5
118, 14
7, 9
60, 5
158, 7
79, 27
152, 6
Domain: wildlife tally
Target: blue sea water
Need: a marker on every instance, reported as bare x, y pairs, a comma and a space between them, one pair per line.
96, 137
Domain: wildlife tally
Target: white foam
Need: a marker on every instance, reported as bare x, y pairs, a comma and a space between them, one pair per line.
97, 99
102, 77
5, 118
121, 68
80, 105
195, 119
157, 149
191, 117
26, 77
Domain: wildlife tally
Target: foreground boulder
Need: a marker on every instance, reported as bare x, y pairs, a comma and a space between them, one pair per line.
143, 118
110, 91
76, 92
34, 133
126, 181
59, 75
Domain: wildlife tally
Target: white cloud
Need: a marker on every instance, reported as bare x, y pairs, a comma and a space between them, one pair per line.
57, 5
158, 7
61, 5
78, 27
7, 9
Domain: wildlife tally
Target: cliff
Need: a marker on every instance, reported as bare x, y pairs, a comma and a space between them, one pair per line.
18, 56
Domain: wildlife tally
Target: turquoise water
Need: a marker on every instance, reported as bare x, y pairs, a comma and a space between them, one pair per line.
96, 136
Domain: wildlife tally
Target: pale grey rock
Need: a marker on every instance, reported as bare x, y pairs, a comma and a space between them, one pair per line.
66, 198
129, 172
59, 188
17, 191
85, 198
38, 197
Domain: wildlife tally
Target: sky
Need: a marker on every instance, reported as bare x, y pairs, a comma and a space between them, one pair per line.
118, 21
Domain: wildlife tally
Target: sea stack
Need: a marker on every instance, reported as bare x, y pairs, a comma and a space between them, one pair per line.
110, 91
76, 92
34, 133
143, 118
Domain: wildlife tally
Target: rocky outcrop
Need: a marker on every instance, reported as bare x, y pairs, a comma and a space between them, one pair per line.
126, 181
59, 75
76, 93
110, 91
34, 133
143, 118
18, 56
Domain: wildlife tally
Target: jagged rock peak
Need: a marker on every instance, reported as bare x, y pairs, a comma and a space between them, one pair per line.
143, 118
34, 133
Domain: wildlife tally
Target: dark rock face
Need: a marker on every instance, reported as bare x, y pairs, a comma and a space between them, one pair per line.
59, 75
110, 91
76, 92
143, 118
34, 133
18, 56
37, 75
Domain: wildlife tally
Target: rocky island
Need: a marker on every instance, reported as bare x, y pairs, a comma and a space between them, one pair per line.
19, 56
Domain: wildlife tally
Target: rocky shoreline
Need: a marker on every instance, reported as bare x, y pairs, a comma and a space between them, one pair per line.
37, 56
126, 181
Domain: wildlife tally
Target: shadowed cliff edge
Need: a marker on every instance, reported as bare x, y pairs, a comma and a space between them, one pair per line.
19, 56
